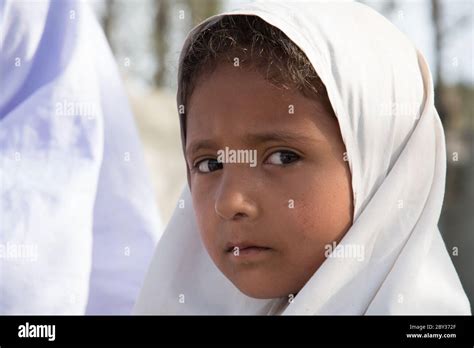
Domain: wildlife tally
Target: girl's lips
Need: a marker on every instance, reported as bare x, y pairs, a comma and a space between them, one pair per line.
251, 252
232, 247
248, 248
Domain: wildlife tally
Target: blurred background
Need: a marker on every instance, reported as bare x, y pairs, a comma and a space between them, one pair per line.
146, 37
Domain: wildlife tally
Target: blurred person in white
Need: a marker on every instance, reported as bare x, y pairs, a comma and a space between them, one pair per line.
356, 171
78, 221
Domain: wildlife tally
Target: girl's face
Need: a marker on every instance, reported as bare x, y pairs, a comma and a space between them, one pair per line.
265, 224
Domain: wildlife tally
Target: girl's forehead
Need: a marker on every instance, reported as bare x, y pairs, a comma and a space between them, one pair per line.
232, 91
220, 111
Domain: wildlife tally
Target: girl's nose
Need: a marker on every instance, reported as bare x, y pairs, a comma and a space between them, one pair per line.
234, 200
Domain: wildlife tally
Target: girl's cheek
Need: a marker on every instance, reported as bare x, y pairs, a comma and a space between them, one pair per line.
309, 219
202, 212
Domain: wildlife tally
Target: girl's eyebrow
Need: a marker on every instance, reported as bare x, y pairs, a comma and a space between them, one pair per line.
255, 138
282, 136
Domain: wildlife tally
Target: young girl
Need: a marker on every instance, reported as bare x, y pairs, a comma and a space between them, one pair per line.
339, 215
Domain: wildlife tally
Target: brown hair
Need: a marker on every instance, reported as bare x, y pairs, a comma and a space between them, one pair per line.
252, 41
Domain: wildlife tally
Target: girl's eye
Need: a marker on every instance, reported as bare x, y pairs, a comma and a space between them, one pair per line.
283, 157
208, 165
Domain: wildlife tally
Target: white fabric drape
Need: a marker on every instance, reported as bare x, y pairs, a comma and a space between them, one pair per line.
73, 188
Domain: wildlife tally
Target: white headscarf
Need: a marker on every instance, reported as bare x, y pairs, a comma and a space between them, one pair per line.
74, 194
381, 90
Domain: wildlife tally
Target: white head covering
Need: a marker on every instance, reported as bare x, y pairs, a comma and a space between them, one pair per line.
73, 184
381, 91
